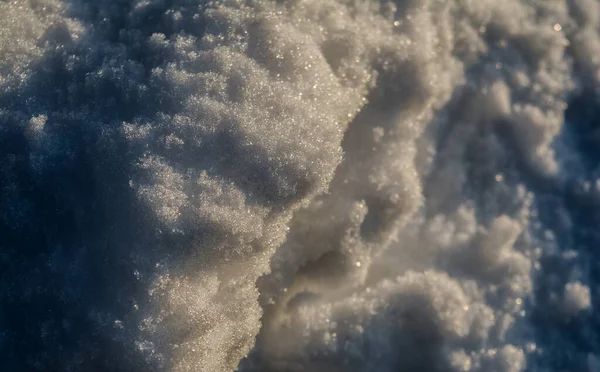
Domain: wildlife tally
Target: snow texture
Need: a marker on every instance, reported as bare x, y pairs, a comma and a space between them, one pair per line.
302, 185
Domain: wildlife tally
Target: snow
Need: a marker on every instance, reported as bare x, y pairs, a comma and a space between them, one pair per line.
308, 185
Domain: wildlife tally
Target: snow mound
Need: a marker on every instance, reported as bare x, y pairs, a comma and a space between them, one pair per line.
305, 185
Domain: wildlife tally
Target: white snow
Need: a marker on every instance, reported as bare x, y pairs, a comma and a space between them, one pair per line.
308, 185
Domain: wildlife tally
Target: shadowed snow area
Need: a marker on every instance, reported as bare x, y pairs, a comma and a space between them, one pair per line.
303, 185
